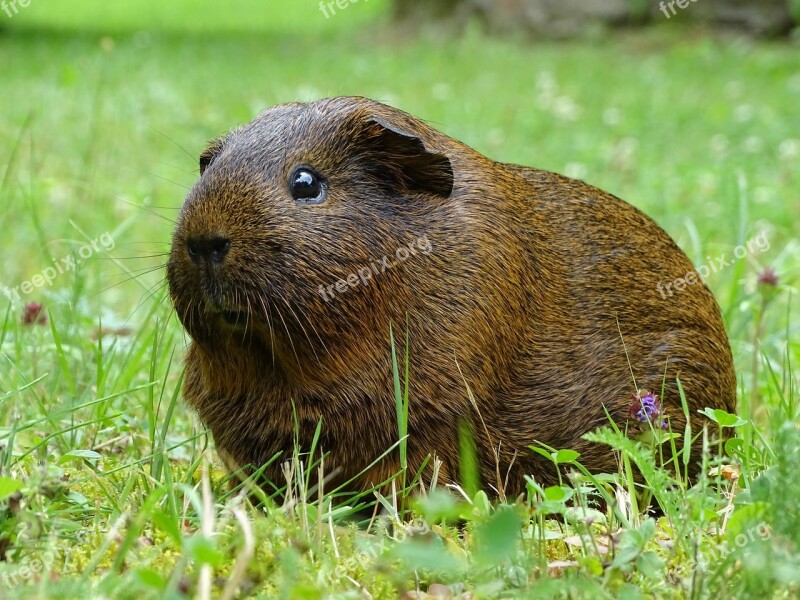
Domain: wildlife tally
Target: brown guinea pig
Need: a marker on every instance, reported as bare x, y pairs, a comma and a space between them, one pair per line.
533, 304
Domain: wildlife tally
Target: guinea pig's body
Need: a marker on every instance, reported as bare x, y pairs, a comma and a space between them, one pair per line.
533, 294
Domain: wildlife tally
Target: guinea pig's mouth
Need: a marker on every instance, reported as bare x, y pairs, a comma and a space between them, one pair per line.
230, 317
218, 306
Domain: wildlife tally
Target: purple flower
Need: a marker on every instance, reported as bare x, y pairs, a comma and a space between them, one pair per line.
768, 277
33, 314
768, 284
646, 408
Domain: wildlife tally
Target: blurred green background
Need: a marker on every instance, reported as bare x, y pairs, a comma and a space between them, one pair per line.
106, 107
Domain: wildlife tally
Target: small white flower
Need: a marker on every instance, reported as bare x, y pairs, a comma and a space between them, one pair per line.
612, 116
753, 144
789, 149
743, 113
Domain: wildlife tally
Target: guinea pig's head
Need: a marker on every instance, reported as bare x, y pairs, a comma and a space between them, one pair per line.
289, 211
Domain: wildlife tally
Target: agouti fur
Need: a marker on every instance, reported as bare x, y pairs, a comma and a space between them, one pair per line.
538, 298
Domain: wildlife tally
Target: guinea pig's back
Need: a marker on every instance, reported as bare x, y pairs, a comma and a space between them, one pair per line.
615, 293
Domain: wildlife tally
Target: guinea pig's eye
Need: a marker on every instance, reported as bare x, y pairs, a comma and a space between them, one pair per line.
307, 187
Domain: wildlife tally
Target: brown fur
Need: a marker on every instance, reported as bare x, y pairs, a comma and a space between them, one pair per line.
532, 285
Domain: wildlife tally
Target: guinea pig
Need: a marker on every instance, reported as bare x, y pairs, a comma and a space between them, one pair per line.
533, 306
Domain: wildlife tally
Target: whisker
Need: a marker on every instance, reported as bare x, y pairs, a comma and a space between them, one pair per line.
133, 276
140, 257
158, 289
144, 207
311, 344
168, 180
250, 323
149, 243
291, 343
184, 170
268, 313
166, 137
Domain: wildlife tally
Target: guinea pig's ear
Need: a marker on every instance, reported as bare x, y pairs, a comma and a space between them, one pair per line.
404, 156
211, 152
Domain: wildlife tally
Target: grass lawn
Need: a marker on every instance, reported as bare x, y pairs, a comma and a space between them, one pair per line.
109, 487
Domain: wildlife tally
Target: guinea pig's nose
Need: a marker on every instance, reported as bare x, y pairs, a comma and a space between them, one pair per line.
207, 249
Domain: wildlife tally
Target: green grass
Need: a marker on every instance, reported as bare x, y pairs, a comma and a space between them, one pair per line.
106, 477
